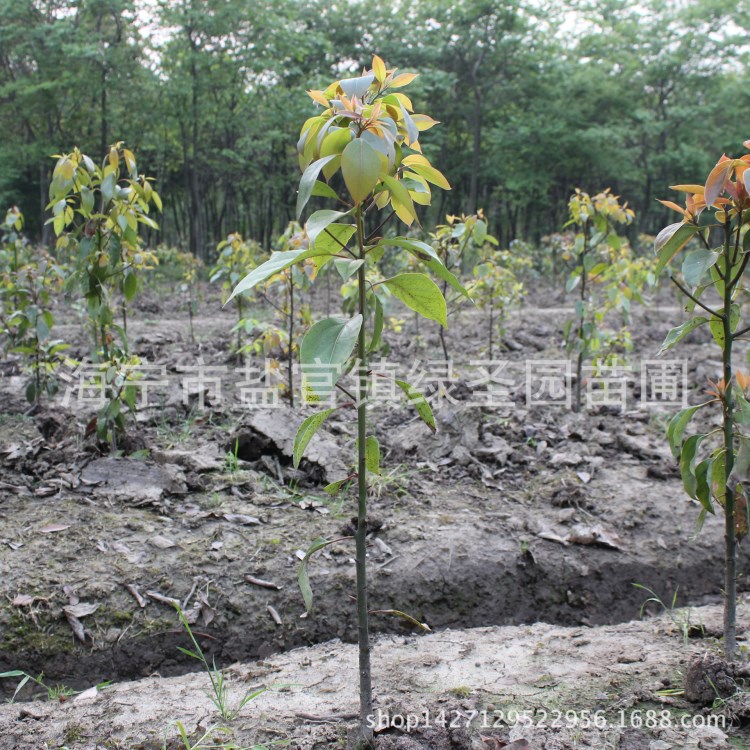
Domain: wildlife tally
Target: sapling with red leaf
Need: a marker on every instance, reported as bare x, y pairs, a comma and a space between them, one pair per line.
713, 232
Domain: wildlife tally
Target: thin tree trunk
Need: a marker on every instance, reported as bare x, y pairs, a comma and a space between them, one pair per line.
365, 679
730, 546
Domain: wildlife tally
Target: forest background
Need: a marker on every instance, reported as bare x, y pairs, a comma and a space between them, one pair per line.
536, 98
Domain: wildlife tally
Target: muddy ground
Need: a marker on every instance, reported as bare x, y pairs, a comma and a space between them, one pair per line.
508, 516
528, 687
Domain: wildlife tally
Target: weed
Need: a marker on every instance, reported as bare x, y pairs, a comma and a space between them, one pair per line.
219, 694
208, 740
215, 500
680, 617
231, 462
54, 692
395, 482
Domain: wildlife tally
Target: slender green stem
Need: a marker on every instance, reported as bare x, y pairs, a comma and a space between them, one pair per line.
365, 680
711, 312
730, 542
290, 361
582, 320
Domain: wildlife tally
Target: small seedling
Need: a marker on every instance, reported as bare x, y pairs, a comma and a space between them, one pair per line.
235, 257
602, 260
209, 739
219, 694
680, 617
231, 462
97, 212
54, 692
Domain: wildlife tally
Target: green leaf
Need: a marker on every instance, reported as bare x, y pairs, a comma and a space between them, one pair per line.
87, 200
377, 329
361, 169
31, 395
277, 262
372, 454
324, 190
108, 187
679, 333
320, 220
427, 255
671, 240
412, 132
335, 487
741, 466
718, 476
347, 268
302, 574
573, 280
419, 402
306, 431
326, 346
717, 326
687, 463
741, 408
400, 195
356, 86
703, 484
129, 286
307, 182
479, 233
696, 264
421, 294
331, 239
676, 428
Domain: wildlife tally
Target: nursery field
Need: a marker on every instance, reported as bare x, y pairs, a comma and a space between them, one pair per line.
517, 533
349, 405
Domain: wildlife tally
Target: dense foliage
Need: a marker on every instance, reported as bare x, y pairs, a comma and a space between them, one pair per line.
537, 100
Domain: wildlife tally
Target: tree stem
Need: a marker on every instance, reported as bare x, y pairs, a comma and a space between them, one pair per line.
290, 363
365, 681
730, 543
581, 321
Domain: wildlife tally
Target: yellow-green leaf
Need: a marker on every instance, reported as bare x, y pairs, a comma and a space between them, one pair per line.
421, 294
361, 169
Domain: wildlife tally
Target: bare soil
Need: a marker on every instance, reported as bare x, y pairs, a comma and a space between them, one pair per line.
535, 518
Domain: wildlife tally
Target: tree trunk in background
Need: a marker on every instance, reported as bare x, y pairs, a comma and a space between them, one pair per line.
45, 229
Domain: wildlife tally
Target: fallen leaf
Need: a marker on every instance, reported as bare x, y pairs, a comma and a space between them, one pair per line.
550, 536
22, 600
161, 542
157, 597
136, 595
262, 583
52, 527
584, 476
274, 614
594, 535
76, 626
80, 610
46, 491
241, 518
86, 695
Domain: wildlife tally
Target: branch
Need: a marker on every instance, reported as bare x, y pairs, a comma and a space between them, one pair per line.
345, 392
696, 300
339, 242
375, 231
